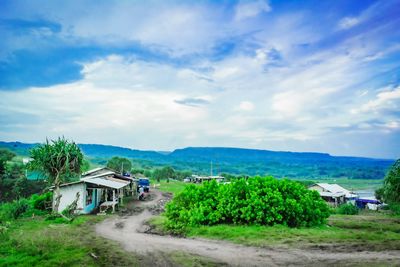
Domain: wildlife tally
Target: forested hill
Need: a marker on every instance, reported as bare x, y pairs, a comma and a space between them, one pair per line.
239, 161
90, 150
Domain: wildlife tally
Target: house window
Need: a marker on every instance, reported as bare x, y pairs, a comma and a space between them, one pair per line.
89, 196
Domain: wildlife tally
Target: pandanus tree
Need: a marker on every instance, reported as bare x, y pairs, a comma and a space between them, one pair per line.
60, 161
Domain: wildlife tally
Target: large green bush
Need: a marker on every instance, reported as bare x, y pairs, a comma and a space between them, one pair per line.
259, 200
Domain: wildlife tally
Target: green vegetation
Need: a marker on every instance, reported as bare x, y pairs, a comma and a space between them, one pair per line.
60, 160
390, 192
347, 209
40, 242
13, 183
122, 165
367, 231
259, 200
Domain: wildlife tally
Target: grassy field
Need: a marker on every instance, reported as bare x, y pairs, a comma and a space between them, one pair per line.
173, 186
367, 231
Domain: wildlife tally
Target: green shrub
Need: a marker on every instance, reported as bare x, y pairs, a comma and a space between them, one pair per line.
348, 209
395, 208
41, 202
35, 205
263, 201
13, 210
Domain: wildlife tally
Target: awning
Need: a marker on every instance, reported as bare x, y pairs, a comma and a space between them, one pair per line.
108, 183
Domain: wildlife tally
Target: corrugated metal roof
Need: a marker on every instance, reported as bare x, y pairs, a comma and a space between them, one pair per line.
333, 188
336, 189
98, 175
107, 182
92, 171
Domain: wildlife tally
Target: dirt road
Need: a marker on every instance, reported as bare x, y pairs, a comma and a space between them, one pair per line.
129, 231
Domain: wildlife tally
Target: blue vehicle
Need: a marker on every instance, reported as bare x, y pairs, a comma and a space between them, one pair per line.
145, 183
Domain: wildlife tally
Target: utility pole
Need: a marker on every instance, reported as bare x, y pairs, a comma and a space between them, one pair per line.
211, 170
122, 168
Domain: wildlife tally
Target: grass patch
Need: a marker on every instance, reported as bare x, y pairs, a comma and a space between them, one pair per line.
174, 187
367, 231
183, 259
37, 242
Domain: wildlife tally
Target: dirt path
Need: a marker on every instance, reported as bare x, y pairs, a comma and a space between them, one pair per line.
128, 230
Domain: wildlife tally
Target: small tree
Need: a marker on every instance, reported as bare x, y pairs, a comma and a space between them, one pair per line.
59, 160
118, 164
164, 173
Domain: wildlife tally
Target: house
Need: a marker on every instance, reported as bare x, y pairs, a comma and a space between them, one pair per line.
334, 194
101, 187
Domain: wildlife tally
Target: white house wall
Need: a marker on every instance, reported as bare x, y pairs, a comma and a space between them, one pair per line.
69, 194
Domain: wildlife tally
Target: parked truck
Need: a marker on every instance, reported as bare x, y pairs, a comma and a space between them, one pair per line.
144, 183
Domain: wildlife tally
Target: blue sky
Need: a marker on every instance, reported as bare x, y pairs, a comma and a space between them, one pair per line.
280, 75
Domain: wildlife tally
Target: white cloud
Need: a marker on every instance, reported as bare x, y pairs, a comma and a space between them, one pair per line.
388, 99
246, 106
249, 9
348, 22
245, 97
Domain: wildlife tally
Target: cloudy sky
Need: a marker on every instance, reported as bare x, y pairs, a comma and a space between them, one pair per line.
281, 75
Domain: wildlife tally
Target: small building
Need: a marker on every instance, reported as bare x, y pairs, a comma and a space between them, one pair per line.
334, 194
200, 179
99, 187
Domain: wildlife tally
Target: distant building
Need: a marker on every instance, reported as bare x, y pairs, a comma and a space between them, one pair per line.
334, 194
200, 179
26, 160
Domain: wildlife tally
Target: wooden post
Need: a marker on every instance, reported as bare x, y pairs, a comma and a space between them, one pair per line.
113, 205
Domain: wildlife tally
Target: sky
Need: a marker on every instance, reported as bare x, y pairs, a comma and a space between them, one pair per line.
321, 76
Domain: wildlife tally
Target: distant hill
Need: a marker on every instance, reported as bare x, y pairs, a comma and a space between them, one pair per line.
238, 161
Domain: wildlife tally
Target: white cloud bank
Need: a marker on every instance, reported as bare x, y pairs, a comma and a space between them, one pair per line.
278, 89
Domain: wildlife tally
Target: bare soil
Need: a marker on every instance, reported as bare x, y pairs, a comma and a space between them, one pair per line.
131, 231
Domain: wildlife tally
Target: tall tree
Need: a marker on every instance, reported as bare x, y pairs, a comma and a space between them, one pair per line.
118, 164
390, 192
59, 160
